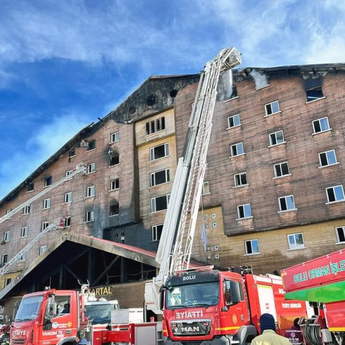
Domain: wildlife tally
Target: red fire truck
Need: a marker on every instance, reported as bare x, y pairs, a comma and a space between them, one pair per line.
209, 306
321, 281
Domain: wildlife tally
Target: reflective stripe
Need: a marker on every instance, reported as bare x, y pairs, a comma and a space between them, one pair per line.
226, 328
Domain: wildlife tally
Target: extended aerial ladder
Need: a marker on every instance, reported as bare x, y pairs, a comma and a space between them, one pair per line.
175, 246
58, 223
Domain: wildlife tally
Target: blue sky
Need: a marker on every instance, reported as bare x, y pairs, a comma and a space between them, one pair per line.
64, 63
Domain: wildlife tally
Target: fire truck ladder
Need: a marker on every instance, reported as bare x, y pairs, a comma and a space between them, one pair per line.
58, 223
80, 168
176, 242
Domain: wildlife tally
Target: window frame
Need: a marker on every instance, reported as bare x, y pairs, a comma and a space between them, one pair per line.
43, 249
237, 185
271, 104
206, 188
286, 203
44, 225
67, 222
91, 145
337, 234
118, 209
333, 188
275, 136
115, 181
91, 168
233, 117
281, 170
152, 150
23, 232
48, 181
114, 137
153, 202
153, 177
67, 198
89, 216
250, 241
90, 191
46, 204
155, 236
296, 246
6, 236
321, 130
155, 125
326, 157
27, 209
244, 212
239, 144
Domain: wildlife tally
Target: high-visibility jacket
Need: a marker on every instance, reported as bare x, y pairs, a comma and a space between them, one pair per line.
269, 337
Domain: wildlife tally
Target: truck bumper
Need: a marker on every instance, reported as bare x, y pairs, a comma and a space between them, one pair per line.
215, 341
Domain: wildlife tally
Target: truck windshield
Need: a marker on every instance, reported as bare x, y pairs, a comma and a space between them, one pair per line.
193, 295
29, 308
100, 313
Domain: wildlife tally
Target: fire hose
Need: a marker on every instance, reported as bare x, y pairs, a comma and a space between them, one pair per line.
311, 332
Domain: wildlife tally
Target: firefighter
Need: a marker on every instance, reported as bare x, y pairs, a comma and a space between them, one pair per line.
294, 334
80, 338
5, 338
268, 335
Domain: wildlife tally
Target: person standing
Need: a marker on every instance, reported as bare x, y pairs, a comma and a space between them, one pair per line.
294, 334
268, 335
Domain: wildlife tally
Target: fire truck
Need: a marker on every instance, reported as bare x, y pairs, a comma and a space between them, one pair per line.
320, 281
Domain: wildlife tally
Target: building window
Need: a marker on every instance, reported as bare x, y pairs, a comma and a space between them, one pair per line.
114, 209
340, 231
276, 138
91, 168
159, 177
89, 216
236, 149
272, 108
114, 137
155, 125
160, 203
115, 184
114, 159
234, 121
23, 232
71, 153
8, 281
42, 249
327, 158
23, 257
46, 203
68, 173
4, 258
48, 181
7, 236
321, 125
91, 145
313, 89
159, 151
281, 169
68, 197
67, 222
296, 241
244, 211
287, 203
90, 191
335, 194
44, 226
252, 247
31, 187
156, 232
240, 179
206, 188
27, 209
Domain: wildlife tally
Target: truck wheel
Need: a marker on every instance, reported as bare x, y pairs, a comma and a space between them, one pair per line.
248, 340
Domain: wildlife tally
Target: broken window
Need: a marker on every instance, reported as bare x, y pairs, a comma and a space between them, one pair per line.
340, 231
313, 89
89, 216
91, 168
114, 208
321, 125
335, 194
90, 191
46, 203
272, 108
31, 187
159, 177
114, 159
115, 184
159, 151
234, 121
91, 145
327, 158
276, 138
281, 169
160, 203
296, 241
252, 247
286, 203
206, 188
236, 149
240, 179
114, 137
48, 181
244, 211
71, 153
156, 232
